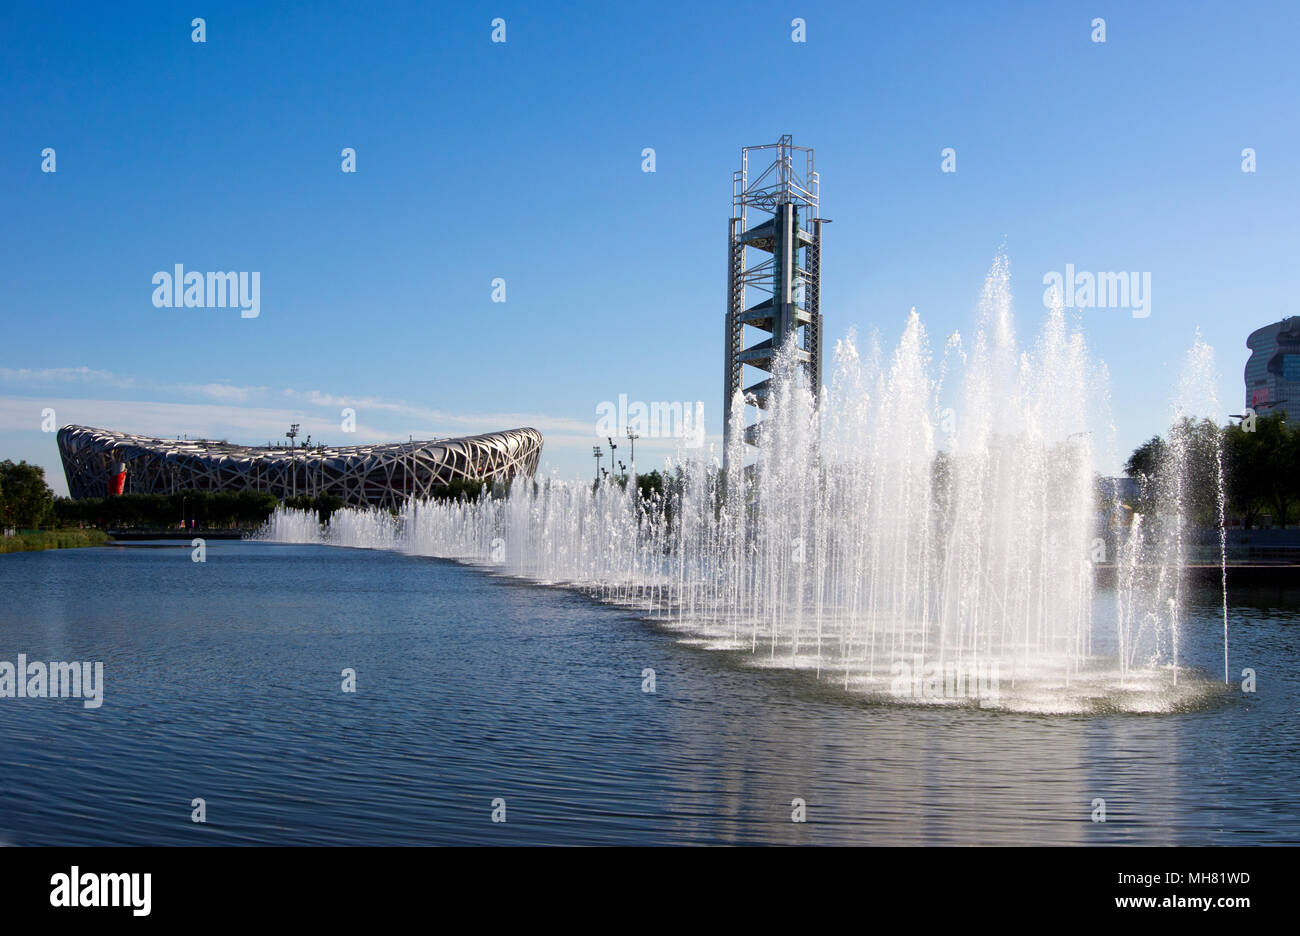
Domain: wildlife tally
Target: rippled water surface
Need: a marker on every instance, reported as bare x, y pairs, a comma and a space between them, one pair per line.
223, 682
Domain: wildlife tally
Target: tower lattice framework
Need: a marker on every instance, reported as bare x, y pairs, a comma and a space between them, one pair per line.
777, 254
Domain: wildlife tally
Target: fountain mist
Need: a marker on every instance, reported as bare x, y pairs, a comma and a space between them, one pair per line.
899, 547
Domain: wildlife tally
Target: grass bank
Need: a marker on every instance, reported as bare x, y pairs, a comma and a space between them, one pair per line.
52, 539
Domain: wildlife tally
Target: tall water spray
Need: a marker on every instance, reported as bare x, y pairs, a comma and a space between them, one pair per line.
905, 548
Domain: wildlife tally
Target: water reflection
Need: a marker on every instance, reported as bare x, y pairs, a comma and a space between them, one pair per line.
223, 681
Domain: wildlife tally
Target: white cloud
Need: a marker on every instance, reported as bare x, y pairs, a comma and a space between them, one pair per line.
33, 377
462, 422
243, 424
222, 393
63, 375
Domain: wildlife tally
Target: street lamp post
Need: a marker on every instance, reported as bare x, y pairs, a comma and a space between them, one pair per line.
595, 450
293, 459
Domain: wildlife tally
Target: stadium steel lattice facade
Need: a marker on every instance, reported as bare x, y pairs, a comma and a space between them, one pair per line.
96, 461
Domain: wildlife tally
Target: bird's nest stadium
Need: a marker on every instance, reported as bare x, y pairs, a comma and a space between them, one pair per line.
99, 462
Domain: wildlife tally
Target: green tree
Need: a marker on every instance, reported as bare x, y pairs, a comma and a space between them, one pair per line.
1246, 472
1147, 459
650, 484
26, 501
1261, 468
1201, 445
1145, 466
1277, 470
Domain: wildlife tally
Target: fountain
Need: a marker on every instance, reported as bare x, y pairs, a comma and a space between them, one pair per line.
904, 549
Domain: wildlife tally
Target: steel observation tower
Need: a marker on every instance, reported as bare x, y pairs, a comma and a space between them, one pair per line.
774, 248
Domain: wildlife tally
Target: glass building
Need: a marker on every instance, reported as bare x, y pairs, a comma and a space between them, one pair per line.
1273, 370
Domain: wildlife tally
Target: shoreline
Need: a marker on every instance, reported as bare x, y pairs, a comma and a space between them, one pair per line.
136, 536
43, 540
1239, 573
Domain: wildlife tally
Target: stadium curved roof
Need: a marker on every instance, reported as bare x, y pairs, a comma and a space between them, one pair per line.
384, 474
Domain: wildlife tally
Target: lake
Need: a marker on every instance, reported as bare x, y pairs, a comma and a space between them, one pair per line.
223, 681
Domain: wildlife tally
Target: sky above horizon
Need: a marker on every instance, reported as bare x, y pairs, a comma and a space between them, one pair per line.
523, 160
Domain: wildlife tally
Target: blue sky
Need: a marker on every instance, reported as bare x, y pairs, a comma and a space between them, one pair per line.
522, 160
